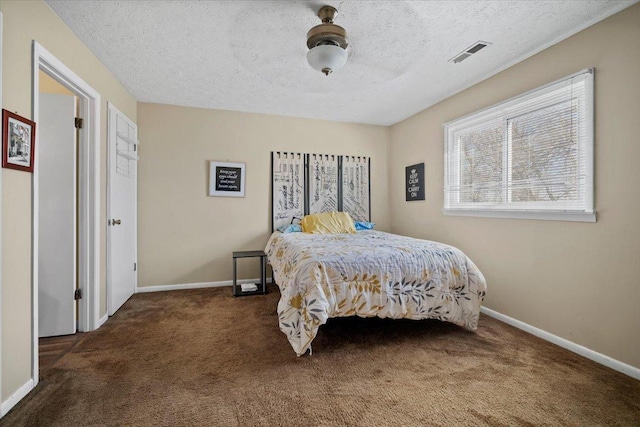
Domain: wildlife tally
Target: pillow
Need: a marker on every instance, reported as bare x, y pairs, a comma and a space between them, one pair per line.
364, 225
290, 228
328, 223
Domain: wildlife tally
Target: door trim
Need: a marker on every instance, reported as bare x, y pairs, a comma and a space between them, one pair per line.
113, 109
88, 197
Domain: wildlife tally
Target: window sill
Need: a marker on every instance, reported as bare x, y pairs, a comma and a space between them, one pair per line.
542, 215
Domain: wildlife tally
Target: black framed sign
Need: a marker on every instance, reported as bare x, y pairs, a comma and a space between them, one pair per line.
414, 179
226, 179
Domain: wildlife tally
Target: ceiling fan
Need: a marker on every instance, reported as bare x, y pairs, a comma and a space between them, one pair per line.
327, 43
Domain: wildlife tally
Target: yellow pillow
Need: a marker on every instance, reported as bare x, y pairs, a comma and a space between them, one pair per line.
328, 223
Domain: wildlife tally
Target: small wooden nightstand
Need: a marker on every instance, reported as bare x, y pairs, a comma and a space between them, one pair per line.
262, 288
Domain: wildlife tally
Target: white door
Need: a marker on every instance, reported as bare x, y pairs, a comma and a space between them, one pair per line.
56, 215
121, 210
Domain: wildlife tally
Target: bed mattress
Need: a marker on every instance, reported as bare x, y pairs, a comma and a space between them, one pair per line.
370, 273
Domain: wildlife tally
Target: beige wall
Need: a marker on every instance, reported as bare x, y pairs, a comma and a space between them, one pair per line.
49, 85
580, 281
186, 236
25, 21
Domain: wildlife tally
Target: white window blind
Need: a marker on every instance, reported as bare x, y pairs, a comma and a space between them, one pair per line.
528, 157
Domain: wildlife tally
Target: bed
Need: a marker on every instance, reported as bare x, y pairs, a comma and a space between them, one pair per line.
369, 273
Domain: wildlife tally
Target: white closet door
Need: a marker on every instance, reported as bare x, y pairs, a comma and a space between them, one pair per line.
56, 215
122, 210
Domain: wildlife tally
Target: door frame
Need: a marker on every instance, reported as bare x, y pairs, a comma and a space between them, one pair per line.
112, 109
88, 196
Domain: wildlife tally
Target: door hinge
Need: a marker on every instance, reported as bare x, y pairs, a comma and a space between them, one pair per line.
135, 266
77, 294
78, 123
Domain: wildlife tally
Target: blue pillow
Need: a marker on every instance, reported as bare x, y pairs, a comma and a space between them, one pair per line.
364, 225
290, 228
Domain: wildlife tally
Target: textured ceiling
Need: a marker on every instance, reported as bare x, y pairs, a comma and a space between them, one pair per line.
251, 55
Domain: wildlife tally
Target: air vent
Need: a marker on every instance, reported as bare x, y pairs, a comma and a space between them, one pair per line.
469, 51
461, 57
477, 47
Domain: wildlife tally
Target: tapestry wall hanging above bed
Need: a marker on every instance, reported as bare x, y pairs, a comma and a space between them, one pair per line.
356, 187
323, 183
287, 188
312, 183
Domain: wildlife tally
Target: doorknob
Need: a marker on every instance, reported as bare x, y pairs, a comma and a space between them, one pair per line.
116, 222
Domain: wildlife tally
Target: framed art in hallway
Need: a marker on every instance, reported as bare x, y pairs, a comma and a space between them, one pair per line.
226, 179
18, 142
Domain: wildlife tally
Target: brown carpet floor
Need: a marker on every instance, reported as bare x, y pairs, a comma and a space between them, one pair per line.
203, 358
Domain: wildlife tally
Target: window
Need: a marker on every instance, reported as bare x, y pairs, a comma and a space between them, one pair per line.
528, 157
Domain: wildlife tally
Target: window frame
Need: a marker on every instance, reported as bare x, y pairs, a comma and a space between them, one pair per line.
507, 110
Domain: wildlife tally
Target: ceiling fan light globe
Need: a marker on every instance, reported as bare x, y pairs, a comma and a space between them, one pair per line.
325, 57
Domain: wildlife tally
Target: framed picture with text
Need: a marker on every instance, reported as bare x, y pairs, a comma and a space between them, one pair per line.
414, 179
18, 142
226, 179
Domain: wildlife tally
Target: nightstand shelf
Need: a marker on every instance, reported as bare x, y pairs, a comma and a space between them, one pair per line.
262, 286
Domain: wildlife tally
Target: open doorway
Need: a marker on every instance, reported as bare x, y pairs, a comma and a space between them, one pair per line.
58, 289
83, 248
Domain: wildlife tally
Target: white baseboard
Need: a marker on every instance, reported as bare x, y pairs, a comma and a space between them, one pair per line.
102, 320
162, 288
16, 397
607, 361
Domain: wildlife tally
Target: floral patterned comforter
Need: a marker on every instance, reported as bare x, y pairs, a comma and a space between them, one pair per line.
370, 273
